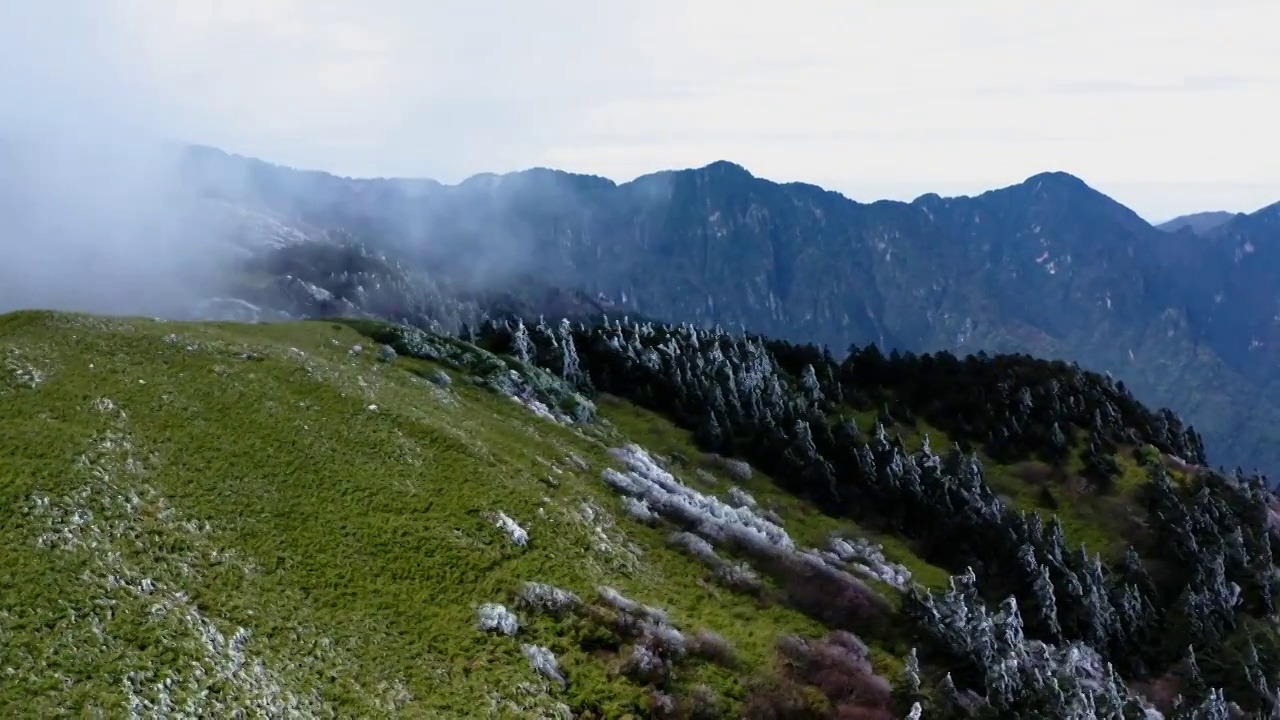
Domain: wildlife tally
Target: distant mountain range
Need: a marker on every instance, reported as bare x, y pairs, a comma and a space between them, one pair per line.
1187, 314
1200, 222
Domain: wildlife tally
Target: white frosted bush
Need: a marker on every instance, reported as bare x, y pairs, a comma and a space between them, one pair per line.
543, 661
645, 479
512, 529
544, 598
623, 604
639, 510
492, 617
741, 498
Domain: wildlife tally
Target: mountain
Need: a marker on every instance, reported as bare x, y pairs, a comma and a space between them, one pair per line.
1049, 267
1198, 223
349, 518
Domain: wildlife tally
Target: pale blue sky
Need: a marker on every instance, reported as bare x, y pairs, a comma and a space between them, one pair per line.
1168, 105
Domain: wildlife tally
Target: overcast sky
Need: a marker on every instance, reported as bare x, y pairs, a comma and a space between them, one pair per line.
1168, 105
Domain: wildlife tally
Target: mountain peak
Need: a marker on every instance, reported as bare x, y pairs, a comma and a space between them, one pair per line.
1056, 179
1198, 223
725, 167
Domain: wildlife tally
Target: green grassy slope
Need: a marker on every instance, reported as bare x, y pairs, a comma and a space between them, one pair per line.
200, 517
209, 516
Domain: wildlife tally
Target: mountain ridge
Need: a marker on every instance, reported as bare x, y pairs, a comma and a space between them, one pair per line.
1048, 266
1198, 223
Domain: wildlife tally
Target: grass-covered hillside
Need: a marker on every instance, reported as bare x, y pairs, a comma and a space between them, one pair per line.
340, 519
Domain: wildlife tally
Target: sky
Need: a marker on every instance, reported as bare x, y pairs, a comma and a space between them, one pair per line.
1167, 105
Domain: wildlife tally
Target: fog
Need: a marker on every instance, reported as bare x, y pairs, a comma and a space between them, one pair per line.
103, 208
93, 216
98, 98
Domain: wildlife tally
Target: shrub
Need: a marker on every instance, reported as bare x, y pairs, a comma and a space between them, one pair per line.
839, 666
830, 596
548, 599
700, 704
710, 646
492, 617
779, 698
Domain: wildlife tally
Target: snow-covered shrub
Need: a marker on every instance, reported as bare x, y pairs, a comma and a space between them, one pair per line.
617, 601
548, 599
639, 510
492, 617
539, 391
812, 583
737, 469
646, 665
697, 547
670, 498
511, 529
657, 650
869, 559
543, 661
661, 705
741, 498
735, 575
738, 576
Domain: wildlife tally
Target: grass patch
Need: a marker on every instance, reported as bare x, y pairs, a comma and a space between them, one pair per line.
336, 507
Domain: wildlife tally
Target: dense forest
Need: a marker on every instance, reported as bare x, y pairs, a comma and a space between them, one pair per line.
1182, 620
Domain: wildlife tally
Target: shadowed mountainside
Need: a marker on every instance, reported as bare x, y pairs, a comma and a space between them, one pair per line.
1049, 267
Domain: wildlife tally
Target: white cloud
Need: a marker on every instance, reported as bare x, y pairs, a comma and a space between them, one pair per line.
854, 94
